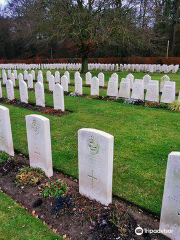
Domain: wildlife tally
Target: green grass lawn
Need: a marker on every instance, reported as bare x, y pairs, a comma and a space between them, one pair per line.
143, 139
17, 224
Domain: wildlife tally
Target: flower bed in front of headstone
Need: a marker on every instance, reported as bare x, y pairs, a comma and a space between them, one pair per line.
33, 107
59, 205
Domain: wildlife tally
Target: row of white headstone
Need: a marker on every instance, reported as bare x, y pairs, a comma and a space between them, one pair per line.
98, 67
167, 87
58, 94
95, 154
57, 79
13, 76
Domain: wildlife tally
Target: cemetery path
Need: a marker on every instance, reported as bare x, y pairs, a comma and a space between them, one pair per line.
84, 218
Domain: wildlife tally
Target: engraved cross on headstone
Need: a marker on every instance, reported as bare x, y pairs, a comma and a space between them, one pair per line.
93, 178
37, 155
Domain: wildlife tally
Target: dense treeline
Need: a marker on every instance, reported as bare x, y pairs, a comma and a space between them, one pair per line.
89, 28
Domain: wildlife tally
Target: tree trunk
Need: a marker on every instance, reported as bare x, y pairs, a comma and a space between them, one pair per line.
84, 64
51, 53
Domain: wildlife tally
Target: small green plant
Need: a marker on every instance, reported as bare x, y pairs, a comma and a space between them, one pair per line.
174, 106
53, 189
123, 221
29, 176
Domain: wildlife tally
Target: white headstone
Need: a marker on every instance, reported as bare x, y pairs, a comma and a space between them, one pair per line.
25, 74
57, 77
10, 90
164, 79
39, 94
170, 212
112, 89
6, 142
40, 72
9, 73
48, 75
15, 73
146, 79
138, 90
30, 81
95, 86
115, 75
77, 74
67, 74
12, 78
64, 83
95, 155
88, 78
23, 92
20, 78
152, 93
51, 83
40, 78
78, 85
4, 78
168, 93
39, 143
101, 79
33, 74
125, 91
58, 97
131, 77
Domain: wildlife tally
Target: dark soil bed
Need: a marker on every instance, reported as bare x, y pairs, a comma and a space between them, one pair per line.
33, 107
83, 218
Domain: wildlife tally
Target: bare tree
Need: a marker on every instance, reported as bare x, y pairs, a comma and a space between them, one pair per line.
88, 24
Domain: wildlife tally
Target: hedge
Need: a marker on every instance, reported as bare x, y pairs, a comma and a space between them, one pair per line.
132, 60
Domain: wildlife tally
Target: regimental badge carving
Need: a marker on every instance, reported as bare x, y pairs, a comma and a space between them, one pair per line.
35, 127
93, 145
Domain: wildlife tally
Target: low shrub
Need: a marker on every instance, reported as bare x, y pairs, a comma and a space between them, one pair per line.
53, 189
110, 60
174, 106
29, 176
